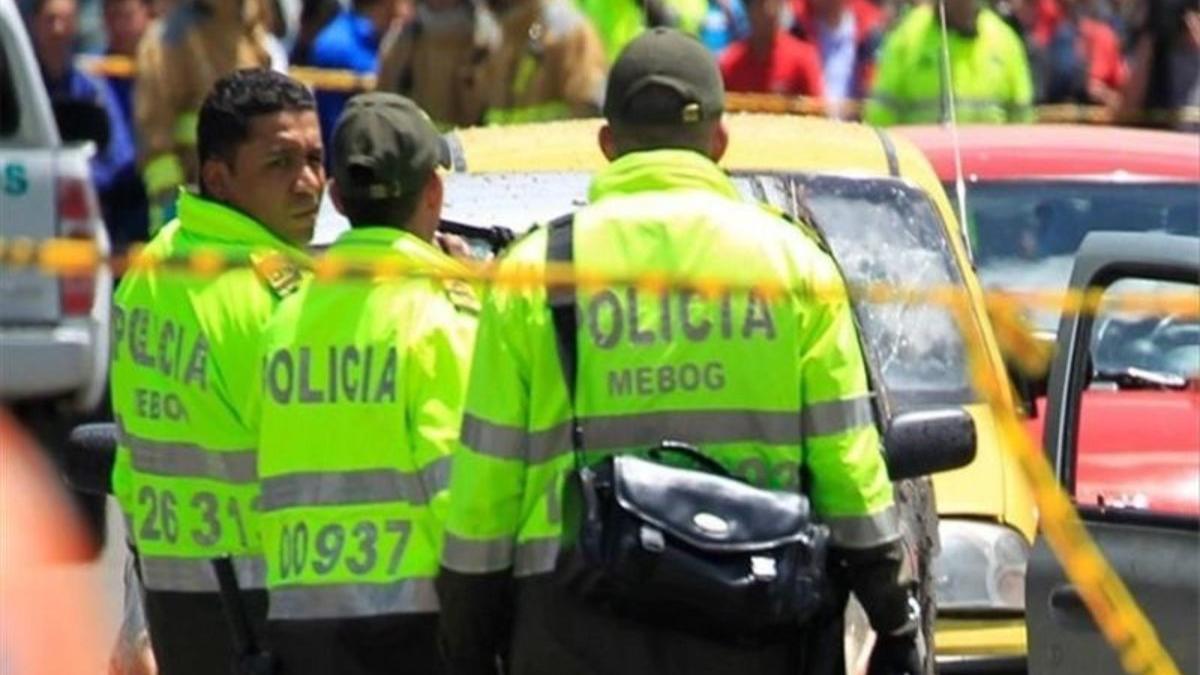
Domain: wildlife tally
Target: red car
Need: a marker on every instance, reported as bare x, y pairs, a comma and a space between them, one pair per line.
1033, 193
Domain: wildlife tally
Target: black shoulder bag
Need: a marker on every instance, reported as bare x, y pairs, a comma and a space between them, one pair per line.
692, 549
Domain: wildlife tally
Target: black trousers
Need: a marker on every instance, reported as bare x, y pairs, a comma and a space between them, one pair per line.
189, 632
556, 633
380, 645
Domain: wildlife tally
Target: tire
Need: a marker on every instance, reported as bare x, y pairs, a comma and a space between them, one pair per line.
919, 530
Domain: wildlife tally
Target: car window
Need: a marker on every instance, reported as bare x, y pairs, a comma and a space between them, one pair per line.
883, 232
1025, 234
1138, 444
9, 113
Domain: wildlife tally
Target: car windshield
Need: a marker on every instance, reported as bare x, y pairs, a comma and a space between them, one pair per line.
1025, 233
880, 231
885, 232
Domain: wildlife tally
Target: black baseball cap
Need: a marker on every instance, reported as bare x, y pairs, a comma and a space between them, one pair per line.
384, 146
666, 59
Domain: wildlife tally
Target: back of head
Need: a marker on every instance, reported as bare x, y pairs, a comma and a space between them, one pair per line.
235, 100
664, 91
385, 150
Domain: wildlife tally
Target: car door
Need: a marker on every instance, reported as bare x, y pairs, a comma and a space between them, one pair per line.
1136, 482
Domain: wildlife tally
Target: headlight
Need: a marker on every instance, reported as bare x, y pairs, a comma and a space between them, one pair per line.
981, 567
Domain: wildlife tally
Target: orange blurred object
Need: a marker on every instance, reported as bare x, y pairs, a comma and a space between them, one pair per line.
50, 619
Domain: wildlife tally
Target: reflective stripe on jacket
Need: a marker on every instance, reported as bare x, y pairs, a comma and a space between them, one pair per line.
991, 76
361, 404
765, 386
184, 350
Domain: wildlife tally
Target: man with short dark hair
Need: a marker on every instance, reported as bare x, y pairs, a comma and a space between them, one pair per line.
773, 383
185, 353
365, 380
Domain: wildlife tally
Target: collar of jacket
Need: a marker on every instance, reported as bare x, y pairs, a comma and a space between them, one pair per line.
376, 240
228, 226
655, 170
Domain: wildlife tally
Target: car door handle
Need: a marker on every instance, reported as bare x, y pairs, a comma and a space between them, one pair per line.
1066, 598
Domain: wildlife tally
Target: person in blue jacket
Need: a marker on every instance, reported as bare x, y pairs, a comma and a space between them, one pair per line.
54, 27
349, 42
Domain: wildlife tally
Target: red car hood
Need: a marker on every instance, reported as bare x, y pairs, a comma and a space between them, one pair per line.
1137, 449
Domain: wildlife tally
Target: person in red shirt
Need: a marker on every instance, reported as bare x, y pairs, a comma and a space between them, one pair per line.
770, 60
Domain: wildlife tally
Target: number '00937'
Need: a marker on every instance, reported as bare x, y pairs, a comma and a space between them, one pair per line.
355, 545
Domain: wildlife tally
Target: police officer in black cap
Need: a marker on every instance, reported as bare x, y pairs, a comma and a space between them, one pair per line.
352, 485
514, 595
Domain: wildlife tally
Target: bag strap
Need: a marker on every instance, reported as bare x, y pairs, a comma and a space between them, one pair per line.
560, 245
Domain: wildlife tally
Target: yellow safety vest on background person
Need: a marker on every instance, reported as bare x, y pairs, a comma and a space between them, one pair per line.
549, 65
178, 60
768, 386
362, 401
619, 21
992, 83
185, 350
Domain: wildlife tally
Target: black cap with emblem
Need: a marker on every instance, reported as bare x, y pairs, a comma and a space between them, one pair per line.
384, 147
676, 64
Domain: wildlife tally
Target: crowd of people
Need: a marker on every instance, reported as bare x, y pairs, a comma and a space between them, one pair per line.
471, 62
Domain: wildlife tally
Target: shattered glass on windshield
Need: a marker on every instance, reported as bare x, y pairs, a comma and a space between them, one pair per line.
884, 232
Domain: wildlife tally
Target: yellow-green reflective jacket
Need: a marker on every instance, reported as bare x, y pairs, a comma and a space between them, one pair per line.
184, 352
362, 398
991, 76
765, 386
619, 21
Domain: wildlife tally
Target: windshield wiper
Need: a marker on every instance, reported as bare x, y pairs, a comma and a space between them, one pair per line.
1140, 378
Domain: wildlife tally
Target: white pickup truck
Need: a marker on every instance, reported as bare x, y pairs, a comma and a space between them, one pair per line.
53, 330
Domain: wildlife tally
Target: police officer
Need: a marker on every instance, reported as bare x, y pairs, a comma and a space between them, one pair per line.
178, 60
363, 393
773, 388
988, 68
549, 64
184, 350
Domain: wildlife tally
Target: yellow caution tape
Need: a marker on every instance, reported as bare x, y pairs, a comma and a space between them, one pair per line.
74, 257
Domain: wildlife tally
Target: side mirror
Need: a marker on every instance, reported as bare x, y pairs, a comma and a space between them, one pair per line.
91, 453
82, 121
929, 441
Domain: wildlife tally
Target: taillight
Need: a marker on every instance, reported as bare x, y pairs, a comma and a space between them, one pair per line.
78, 217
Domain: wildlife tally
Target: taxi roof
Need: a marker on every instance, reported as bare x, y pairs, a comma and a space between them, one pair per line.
760, 142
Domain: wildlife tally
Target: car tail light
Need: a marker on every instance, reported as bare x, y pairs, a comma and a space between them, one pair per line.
78, 217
